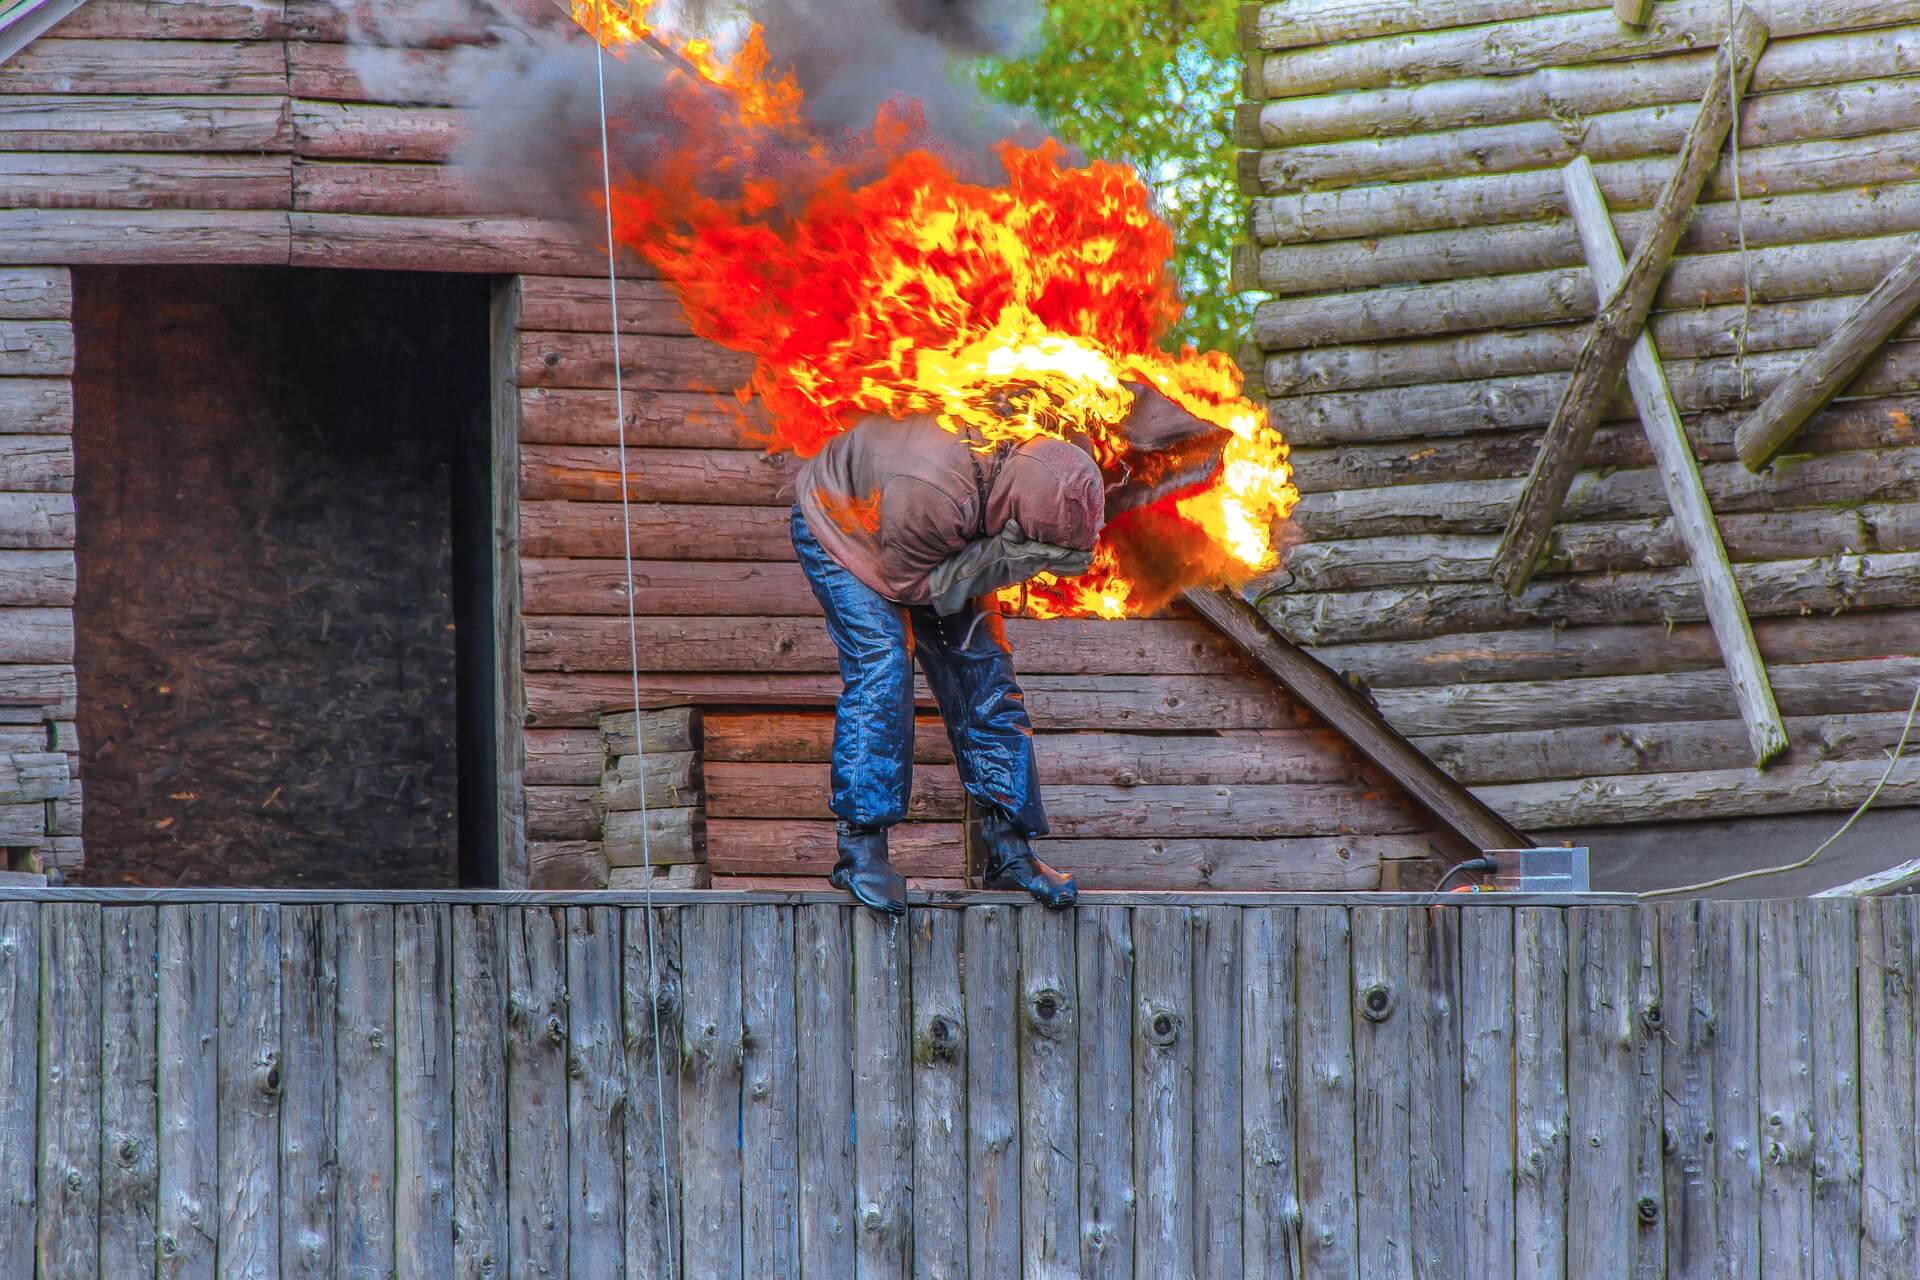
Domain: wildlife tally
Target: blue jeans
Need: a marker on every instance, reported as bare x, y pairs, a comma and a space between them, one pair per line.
973, 683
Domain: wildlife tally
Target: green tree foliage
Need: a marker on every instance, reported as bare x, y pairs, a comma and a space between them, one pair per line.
1151, 82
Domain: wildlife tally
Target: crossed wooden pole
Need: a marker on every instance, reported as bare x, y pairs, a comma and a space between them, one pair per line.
1618, 340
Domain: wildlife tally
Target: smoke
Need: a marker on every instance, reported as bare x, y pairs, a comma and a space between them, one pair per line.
530, 76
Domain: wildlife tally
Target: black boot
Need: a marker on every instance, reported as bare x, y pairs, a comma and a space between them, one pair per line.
1009, 863
864, 872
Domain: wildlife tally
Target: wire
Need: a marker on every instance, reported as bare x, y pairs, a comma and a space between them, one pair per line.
1807, 861
1471, 865
633, 625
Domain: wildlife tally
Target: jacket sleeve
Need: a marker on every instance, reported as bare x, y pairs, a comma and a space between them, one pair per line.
919, 527
988, 564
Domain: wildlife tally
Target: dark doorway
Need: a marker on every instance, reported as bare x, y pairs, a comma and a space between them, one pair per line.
284, 613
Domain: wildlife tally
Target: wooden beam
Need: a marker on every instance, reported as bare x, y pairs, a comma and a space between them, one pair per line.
1635, 13
1833, 364
1356, 720
509, 710
1624, 313
23, 23
1680, 475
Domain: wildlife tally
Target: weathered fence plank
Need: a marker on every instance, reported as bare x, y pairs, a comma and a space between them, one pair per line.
1540, 1093
69, 1020
1383, 1135
710, 1094
1049, 1097
1438, 1180
309, 991
1785, 1099
480, 1247
1686, 1004
1104, 957
19, 1083
423, 1095
993, 1092
1270, 1213
1834, 994
249, 1106
882, 1101
1649, 1167
1887, 1047
596, 1095
1218, 1121
1163, 1078
188, 1080
1736, 1086
1325, 1094
651, 1013
1600, 1068
941, 1196
769, 1125
537, 1091
1486, 1092
128, 1058
823, 1018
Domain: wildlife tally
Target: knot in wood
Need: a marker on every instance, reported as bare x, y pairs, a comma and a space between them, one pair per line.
1162, 1026
129, 1150
266, 1076
870, 1219
74, 1180
1652, 1018
1376, 1002
1647, 1209
555, 1032
1046, 1009
941, 1039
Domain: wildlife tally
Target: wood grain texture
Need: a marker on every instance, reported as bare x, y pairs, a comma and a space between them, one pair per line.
942, 1197
1834, 992
537, 1090
1103, 954
1163, 1104
1784, 1032
1540, 1094
365, 1036
1649, 1100
1730, 940
1438, 1181
652, 1027
596, 1094
1487, 1102
1326, 1093
129, 1154
710, 1093
1219, 1142
250, 1087
1887, 1044
309, 1098
769, 1098
188, 1090
1602, 1137
1383, 1101
1049, 1022
424, 1075
68, 1175
479, 990
990, 943
882, 1099
1270, 1210
823, 1020
19, 1083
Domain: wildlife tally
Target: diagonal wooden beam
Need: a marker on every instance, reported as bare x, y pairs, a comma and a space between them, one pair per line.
1822, 375
1680, 474
1635, 13
1624, 312
1356, 720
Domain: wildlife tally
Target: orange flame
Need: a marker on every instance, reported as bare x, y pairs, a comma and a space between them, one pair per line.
885, 284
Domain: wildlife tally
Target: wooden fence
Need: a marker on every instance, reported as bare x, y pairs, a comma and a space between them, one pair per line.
1252, 1086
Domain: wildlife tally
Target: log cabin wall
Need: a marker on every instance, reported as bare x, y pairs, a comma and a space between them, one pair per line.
240, 131
1427, 293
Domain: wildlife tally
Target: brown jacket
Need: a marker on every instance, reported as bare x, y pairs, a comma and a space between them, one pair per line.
890, 500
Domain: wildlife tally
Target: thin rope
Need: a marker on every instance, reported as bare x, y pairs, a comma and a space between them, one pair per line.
1740, 366
633, 627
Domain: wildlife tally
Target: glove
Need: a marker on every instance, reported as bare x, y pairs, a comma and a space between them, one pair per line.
988, 564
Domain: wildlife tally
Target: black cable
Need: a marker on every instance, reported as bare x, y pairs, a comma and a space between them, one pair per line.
1471, 864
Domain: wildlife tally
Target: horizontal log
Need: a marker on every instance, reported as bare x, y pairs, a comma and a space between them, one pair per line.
566, 864
36, 636
400, 23
97, 65
668, 729
1348, 863
29, 776
578, 304
560, 757
35, 293
661, 837
174, 20
666, 587
750, 847
1828, 164
147, 237
654, 419
769, 645
1246, 812
23, 825
1506, 48
418, 190
35, 464
1289, 26
689, 875
646, 361
1829, 110
1571, 92
1810, 689
375, 73
1544, 653
36, 521
1704, 795
36, 405
1538, 755
585, 474
1481, 506
84, 122
36, 349
1151, 704
674, 780
375, 243
36, 579
1771, 588
105, 180
44, 692
712, 534
1548, 297
361, 131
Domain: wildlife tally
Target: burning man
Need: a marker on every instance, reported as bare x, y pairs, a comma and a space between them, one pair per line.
904, 529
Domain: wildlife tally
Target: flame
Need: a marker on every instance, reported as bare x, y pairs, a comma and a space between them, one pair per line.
867, 277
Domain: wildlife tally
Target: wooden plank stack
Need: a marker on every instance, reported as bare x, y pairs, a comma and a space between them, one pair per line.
1429, 296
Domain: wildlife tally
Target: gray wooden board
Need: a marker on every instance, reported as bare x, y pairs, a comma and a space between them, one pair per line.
423, 1094
69, 1169
1736, 1117
1104, 982
710, 1094
1602, 1146
991, 948
1686, 1005
596, 1094
1887, 1113
769, 1102
1834, 993
650, 965
1383, 1135
882, 1099
309, 988
364, 1032
1540, 1093
188, 1038
823, 1019
128, 1057
479, 1094
1218, 1123
941, 1196
249, 1106
1270, 1214
1486, 1092
19, 1083
1649, 1040
1163, 1091
1437, 1173
1048, 1018
1325, 1093
537, 1091
1785, 1099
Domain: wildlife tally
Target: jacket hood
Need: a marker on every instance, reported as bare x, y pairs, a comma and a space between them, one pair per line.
1054, 490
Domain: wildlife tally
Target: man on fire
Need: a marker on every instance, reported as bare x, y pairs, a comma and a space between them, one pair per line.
905, 529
